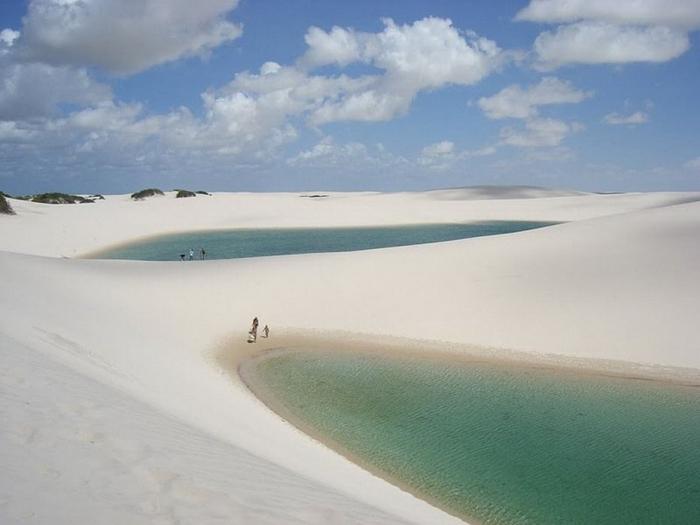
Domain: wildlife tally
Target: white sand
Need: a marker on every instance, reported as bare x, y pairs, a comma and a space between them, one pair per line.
115, 409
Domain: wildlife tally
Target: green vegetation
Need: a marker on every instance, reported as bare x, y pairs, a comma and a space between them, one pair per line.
185, 193
97, 197
201, 192
5, 207
60, 198
149, 192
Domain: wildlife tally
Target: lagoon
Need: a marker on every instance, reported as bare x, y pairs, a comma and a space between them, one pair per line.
497, 443
234, 244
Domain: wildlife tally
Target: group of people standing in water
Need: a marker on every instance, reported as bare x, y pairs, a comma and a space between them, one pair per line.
202, 254
253, 332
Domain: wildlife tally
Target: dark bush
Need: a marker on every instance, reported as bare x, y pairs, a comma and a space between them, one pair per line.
149, 192
97, 197
59, 198
201, 192
181, 194
5, 207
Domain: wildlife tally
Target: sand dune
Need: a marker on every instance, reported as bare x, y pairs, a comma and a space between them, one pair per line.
113, 384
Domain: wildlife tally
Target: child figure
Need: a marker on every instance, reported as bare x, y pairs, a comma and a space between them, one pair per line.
266, 332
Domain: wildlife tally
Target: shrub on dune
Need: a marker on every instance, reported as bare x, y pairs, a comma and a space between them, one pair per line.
181, 194
5, 207
59, 198
148, 192
202, 192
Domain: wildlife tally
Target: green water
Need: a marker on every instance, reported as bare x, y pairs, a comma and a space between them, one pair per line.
503, 444
234, 244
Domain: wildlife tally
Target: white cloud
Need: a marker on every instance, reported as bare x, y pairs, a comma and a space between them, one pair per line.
603, 43
328, 153
480, 152
12, 132
440, 155
693, 164
246, 121
428, 54
515, 102
604, 32
371, 105
352, 156
536, 132
124, 36
34, 90
539, 132
638, 117
431, 53
672, 13
338, 46
8, 37
443, 155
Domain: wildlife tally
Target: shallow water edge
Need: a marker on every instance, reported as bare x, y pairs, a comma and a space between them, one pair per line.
244, 364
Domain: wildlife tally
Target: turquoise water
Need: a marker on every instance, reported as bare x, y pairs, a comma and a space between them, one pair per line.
502, 444
234, 244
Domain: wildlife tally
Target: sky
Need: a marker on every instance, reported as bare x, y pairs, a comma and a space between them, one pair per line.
111, 96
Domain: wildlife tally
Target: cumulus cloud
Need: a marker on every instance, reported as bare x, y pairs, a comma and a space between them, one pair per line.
438, 156
428, 54
351, 155
539, 132
8, 37
515, 102
124, 36
247, 120
603, 43
337, 46
602, 32
328, 153
638, 117
443, 155
34, 90
518, 103
672, 13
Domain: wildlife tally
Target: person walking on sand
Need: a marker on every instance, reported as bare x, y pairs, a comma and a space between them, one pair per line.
202, 253
254, 329
266, 332
191, 254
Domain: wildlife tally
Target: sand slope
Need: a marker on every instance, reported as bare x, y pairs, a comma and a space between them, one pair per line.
138, 341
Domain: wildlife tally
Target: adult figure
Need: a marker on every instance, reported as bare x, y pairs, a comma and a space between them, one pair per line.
254, 329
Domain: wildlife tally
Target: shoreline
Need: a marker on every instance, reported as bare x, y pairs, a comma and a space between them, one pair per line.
241, 366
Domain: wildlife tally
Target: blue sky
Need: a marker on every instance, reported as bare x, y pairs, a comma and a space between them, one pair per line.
115, 95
